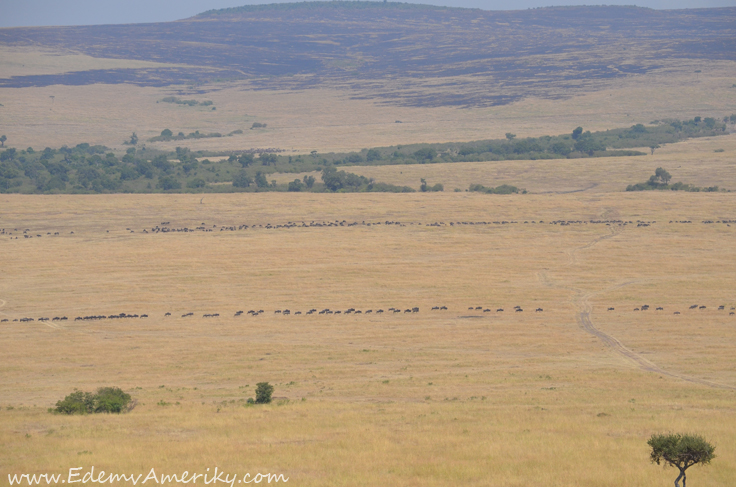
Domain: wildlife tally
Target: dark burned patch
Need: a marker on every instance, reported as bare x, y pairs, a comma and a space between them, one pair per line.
400, 55
139, 77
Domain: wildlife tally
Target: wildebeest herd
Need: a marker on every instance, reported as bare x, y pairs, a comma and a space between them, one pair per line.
348, 311
165, 227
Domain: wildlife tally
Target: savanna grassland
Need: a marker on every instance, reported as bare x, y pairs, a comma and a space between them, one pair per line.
428, 398
564, 396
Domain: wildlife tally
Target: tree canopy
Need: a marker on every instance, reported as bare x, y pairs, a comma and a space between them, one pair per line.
681, 451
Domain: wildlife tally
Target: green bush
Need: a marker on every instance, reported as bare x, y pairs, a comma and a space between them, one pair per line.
263, 393
502, 189
106, 400
111, 400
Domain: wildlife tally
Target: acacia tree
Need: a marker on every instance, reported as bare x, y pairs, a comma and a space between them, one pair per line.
662, 175
681, 451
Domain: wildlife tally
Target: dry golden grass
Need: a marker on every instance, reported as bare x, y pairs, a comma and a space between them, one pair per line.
434, 398
29, 61
335, 118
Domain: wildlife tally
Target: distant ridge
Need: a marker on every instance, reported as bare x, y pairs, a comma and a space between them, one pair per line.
334, 4
399, 53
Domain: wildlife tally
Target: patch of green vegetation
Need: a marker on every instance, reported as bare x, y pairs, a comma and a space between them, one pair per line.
167, 135
191, 103
502, 189
660, 181
105, 400
96, 169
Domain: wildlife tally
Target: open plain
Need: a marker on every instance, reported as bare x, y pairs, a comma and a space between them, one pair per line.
428, 398
562, 391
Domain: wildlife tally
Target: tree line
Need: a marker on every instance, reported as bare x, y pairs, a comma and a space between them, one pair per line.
87, 168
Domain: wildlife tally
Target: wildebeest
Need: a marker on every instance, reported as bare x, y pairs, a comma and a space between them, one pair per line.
610, 309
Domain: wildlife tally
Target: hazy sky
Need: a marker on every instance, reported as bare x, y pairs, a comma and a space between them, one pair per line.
82, 12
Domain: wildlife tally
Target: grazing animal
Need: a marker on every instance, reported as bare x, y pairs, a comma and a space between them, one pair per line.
694, 306
660, 309
677, 312
611, 309
499, 310
538, 310
167, 314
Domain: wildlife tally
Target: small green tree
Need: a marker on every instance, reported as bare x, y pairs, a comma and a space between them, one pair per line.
373, 155
166, 133
296, 185
267, 159
510, 136
133, 139
261, 180
662, 175
577, 133
78, 402
263, 392
242, 180
681, 451
245, 160
654, 147
168, 183
2, 140
309, 181
111, 400
197, 183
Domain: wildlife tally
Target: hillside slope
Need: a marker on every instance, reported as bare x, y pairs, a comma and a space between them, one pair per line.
405, 54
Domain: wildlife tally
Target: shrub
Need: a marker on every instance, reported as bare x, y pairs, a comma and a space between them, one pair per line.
502, 189
263, 393
111, 400
106, 400
78, 402
296, 185
168, 183
197, 183
373, 155
242, 180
